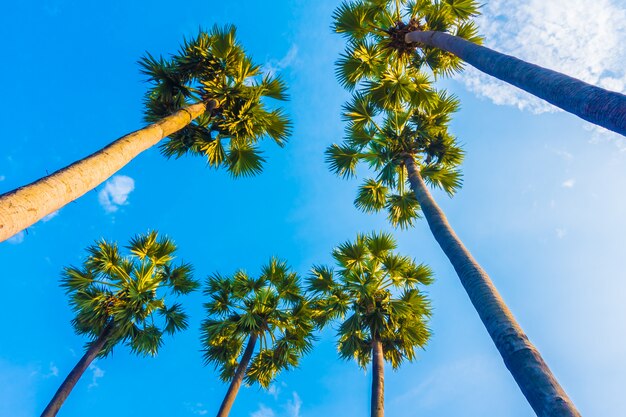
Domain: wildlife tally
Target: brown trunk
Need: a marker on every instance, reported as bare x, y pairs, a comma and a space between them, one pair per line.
26, 205
520, 356
378, 379
235, 384
66, 387
596, 105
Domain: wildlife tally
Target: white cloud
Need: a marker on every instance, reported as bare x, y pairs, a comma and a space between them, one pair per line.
293, 406
50, 216
601, 135
53, 371
581, 38
197, 408
289, 409
96, 374
561, 233
2, 178
273, 390
274, 66
115, 193
17, 238
263, 411
569, 183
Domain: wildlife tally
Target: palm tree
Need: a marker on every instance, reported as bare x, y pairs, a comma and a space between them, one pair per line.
377, 290
209, 99
269, 314
407, 143
439, 34
122, 300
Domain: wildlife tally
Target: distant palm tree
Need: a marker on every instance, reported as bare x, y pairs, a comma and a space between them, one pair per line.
270, 314
377, 290
439, 34
122, 299
209, 99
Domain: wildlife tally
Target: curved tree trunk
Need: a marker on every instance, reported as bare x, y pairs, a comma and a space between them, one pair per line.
528, 368
594, 104
235, 384
26, 205
66, 387
378, 379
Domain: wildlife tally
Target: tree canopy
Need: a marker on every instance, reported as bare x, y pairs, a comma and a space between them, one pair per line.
130, 293
374, 294
271, 306
214, 68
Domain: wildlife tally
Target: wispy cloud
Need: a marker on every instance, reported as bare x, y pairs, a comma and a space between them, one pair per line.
273, 390
293, 406
115, 193
17, 238
560, 233
2, 178
263, 411
569, 183
53, 371
96, 374
198, 409
558, 35
274, 65
50, 216
601, 135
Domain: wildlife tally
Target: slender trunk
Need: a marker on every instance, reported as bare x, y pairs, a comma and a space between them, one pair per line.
235, 384
26, 205
528, 368
378, 379
66, 387
594, 104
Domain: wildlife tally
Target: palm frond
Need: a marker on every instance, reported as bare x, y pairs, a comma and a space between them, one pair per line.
403, 210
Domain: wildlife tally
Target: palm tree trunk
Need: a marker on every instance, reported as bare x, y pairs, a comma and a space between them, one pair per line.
594, 104
26, 205
378, 379
233, 389
528, 368
66, 387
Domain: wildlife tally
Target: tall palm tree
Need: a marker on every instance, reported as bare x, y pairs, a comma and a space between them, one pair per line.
377, 290
440, 33
209, 99
122, 300
270, 314
407, 144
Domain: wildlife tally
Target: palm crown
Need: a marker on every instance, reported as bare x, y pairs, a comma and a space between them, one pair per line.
271, 308
214, 68
383, 138
394, 112
375, 30
127, 294
377, 290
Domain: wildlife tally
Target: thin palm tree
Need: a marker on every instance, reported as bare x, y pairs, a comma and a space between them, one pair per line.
209, 99
375, 295
124, 300
407, 144
441, 35
269, 314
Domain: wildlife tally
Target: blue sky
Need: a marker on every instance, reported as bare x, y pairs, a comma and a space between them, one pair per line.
542, 209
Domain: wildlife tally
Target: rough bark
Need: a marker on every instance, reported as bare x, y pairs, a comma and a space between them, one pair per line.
26, 205
235, 384
594, 104
72, 378
520, 356
378, 379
